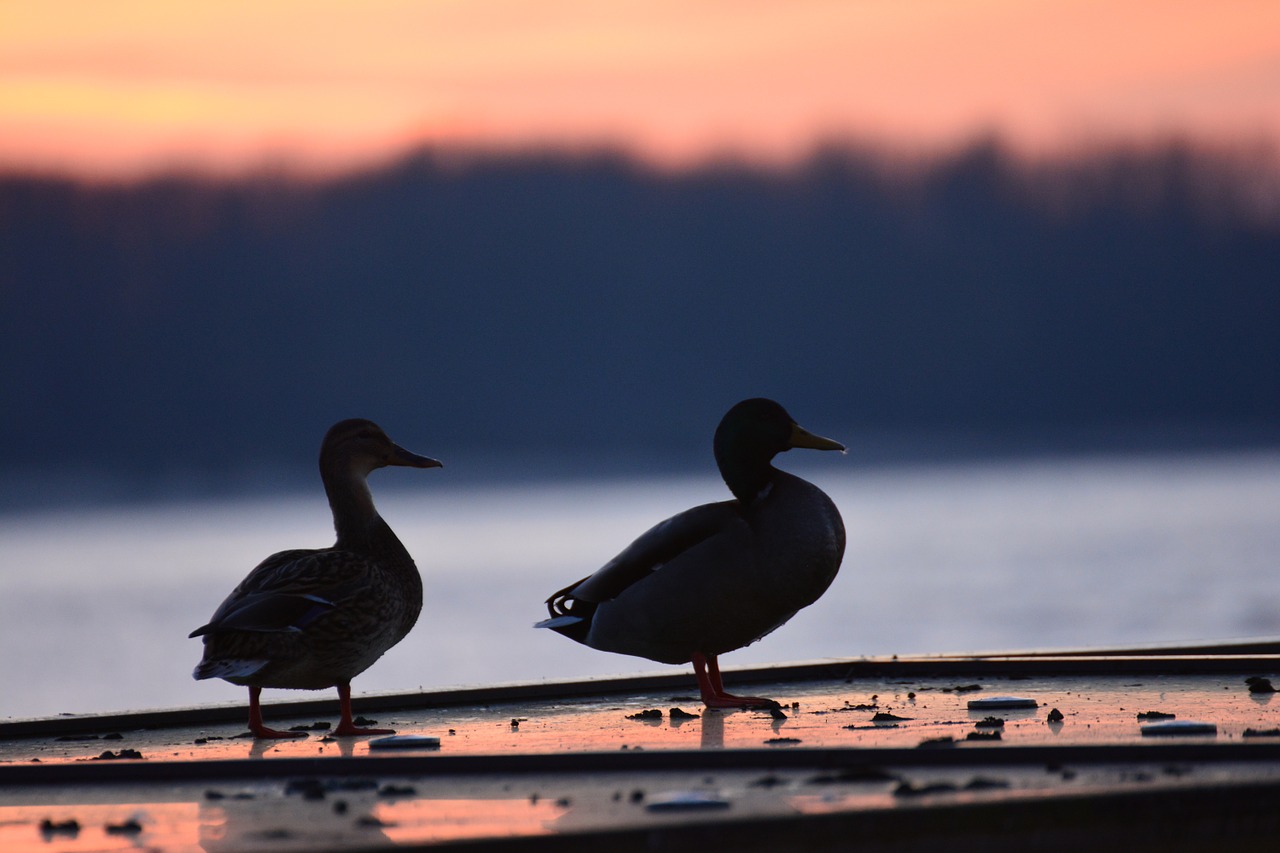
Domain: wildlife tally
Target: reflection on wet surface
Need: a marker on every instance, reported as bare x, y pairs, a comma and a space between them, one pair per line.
359, 819
105, 827
339, 813
859, 713
424, 801
261, 820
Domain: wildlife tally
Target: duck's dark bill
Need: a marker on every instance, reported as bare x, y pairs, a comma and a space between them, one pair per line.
400, 456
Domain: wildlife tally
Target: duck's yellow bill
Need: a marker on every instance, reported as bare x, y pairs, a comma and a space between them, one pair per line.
801, 437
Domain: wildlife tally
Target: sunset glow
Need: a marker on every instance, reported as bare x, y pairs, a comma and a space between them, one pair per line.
138, 85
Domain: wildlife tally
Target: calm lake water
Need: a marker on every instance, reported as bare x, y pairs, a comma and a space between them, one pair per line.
96, 605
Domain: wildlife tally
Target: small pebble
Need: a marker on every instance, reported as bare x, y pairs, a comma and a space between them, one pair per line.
71, 827
310, 789
770, 781
397, 791
650, 714
991, 703
405, 742
982, 783
129, 827
686, 801
313, 727
1178, 727
906, 789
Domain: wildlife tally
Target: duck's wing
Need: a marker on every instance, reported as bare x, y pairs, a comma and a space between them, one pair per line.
661, 544
287, 591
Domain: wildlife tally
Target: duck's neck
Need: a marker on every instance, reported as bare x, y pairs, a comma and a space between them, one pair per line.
355, 519
748, 477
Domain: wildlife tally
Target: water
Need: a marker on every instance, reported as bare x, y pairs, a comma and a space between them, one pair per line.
95, 605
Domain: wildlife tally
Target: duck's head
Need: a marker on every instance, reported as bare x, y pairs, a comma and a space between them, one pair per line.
361, 446
751, 434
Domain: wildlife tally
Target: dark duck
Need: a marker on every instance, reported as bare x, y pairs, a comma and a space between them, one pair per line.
719, 576
311, 619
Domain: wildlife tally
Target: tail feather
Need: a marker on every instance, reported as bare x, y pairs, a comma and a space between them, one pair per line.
229, 668
568, 615
558, 622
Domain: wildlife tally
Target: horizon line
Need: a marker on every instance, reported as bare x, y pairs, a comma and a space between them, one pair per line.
886, 154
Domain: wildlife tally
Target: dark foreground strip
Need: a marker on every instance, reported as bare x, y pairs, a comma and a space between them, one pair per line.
1021, 665
90, 772
1237, 648
1183, 819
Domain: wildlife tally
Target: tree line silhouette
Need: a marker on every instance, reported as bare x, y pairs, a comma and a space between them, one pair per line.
524, 310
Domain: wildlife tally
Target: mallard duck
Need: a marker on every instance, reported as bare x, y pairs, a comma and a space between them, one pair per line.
719, 576
311, 619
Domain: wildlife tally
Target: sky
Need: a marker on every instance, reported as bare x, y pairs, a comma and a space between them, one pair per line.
122, 88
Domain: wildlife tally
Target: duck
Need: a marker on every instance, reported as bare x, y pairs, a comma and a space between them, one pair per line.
311, 619
722, 575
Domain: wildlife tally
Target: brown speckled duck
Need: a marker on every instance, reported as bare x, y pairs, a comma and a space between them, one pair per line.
316, 618
719, 576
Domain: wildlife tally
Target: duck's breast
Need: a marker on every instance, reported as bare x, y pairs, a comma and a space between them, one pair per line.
800, 540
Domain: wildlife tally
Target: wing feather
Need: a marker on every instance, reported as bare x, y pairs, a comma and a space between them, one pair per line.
289, 590
656, 547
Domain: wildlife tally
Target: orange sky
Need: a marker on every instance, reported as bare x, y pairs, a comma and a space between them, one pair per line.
115, 88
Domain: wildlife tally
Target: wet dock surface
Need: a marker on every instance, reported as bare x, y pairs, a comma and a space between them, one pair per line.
893, 751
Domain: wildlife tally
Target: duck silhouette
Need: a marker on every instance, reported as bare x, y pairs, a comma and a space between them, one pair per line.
719, 576
311, 619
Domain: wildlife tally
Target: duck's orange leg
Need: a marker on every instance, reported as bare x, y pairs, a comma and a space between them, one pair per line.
707, 670
256, 725
346, 726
